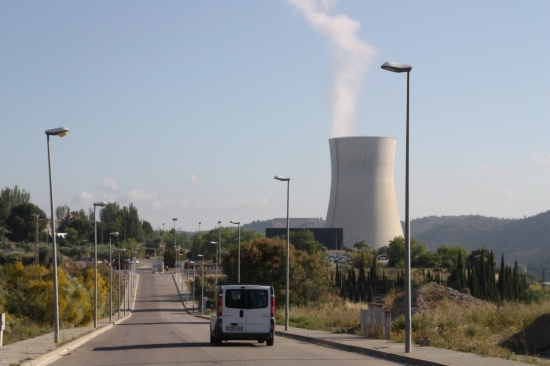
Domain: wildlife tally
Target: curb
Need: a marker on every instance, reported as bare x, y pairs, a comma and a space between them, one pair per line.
54, 355
362, 350
71, 346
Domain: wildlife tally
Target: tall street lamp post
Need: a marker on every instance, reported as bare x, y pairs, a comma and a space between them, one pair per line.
193, 263
119, 250
200, 235
400, 68
238, 251
202, 281
115, 234
100, 204
175, 248
287, 180
61, 131
216, 244
219, 240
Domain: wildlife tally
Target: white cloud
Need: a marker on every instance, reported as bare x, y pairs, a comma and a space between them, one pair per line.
246, 203
82, 198
492, 169
109, 185
194, 179
536, 160
424, 204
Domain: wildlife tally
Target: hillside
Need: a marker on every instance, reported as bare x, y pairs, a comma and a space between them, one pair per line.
527, 240
279, 223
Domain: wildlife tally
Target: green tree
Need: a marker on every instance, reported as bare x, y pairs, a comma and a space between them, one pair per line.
396, 251
72, 235
449, 255
22, 223
147, 228
170, 257
14, 197
305, 240
263, 261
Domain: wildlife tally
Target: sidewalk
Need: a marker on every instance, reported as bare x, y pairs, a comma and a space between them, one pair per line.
393, 351
38, 350
180, 280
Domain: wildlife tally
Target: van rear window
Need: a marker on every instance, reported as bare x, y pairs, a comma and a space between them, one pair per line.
246, 299
235, 299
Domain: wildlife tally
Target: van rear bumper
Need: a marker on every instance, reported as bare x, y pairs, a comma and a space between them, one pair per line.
245, 335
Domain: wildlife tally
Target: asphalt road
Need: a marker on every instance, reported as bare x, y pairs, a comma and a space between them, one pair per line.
161, 333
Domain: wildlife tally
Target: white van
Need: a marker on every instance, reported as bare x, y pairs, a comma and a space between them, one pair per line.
243, 312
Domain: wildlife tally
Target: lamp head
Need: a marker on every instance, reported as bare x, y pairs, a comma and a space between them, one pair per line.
219, 222
199, 222
61, 131
283, 178
213, 242
396, 67
100, 204
174, 219
114, 233
235, 222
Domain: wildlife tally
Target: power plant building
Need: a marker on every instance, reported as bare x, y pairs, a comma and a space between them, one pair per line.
362, 193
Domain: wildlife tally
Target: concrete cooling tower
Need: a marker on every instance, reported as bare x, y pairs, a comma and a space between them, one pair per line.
362, 192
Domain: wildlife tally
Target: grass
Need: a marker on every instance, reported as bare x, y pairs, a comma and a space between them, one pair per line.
477, 330
22, 328
324, 316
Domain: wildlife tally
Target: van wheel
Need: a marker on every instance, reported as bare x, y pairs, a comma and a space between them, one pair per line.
212, 339
217, 341
261, 340
269, 342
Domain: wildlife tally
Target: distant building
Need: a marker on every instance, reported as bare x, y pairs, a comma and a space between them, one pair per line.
330, 238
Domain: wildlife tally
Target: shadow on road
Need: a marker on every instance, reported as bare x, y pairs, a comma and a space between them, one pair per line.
154, 346
192, 323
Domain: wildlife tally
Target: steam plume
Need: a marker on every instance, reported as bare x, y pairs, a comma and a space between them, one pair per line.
351, 57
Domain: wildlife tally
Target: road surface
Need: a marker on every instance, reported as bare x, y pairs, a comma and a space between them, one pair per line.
161, 333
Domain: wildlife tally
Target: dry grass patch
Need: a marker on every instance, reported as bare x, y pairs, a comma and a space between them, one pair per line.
333, 315
478, 329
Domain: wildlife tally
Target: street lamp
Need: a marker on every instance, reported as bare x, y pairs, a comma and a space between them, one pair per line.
400, 68
216, 243
115, 234
238, 251
100, 204
202, 282
220, 239
61, 131
287, 180
175, 248
193, 263
200, 235
119, 250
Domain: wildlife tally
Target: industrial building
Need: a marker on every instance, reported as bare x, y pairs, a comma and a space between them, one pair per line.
362, 193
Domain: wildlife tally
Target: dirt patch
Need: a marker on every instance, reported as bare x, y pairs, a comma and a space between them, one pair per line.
429, 295
533, 339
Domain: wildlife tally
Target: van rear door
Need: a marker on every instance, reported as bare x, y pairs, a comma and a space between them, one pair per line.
234, 315
258, 309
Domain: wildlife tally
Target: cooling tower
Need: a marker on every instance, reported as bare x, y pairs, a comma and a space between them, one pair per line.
362, 192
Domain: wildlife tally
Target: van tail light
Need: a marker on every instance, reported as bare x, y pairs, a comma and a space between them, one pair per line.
272, 306
220, 302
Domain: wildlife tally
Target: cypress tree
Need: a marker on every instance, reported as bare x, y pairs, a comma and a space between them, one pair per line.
516, 286
502, 278
370, 298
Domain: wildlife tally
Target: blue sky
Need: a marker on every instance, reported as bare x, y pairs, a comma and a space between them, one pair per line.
189, 108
